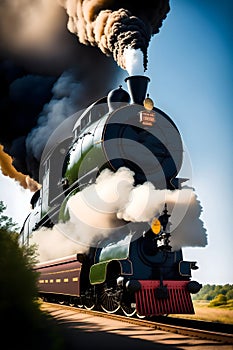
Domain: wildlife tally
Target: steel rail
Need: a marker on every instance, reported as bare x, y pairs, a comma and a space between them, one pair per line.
224, 338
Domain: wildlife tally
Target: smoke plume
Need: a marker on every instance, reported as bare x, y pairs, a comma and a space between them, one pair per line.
39, 56
9, 170
115, 26
63, 104
113, 203
39, 60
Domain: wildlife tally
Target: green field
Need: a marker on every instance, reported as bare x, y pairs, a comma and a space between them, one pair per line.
213, 314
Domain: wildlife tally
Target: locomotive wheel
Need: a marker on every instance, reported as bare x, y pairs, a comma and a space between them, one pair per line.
76, 301
127, 309
80, 304
109, 299
89, 301
71, 301
89, 305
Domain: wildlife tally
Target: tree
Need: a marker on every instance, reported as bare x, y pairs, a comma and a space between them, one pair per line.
229, 294
219, 300
20, 312
218, 294
6, 223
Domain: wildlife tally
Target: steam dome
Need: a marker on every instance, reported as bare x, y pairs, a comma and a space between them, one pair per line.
117, 98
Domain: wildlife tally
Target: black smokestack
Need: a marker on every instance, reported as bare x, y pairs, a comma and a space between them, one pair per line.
137, 87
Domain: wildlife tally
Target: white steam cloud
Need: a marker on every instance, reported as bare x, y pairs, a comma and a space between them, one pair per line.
111, 203
134, 61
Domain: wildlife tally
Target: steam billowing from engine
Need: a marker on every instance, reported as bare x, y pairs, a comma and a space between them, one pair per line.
98, 210
115, 26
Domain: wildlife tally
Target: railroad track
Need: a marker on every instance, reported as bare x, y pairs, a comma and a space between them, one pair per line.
192, 328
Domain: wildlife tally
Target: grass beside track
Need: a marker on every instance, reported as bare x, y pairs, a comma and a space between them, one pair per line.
213, 314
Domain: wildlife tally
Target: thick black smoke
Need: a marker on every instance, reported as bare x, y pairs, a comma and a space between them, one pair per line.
40, 83
47, 71
114, 26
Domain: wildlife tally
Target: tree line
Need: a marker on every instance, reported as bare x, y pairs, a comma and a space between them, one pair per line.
217, 295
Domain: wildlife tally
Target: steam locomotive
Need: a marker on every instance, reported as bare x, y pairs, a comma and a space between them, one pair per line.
134, 269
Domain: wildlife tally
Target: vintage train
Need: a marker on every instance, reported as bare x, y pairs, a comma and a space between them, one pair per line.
134, 269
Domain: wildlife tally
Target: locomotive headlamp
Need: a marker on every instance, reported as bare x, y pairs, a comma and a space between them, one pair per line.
147, 116
148, 103
156, 226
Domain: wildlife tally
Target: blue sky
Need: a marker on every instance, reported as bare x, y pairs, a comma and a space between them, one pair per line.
190, 66
190, 70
